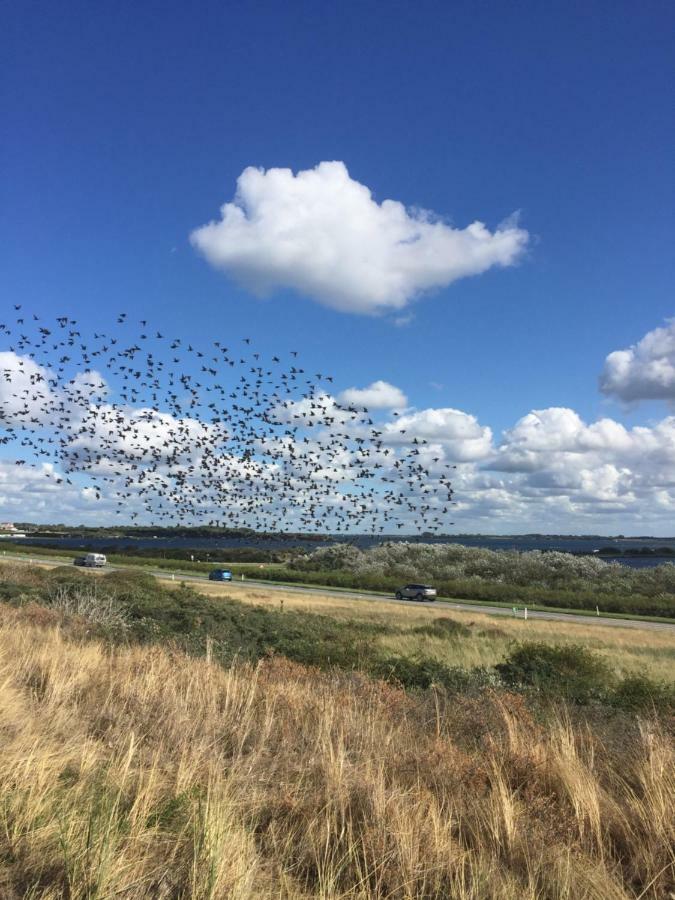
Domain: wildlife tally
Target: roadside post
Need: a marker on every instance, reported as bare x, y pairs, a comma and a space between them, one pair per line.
526, 614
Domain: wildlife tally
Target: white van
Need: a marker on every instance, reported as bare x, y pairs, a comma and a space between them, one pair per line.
95, 560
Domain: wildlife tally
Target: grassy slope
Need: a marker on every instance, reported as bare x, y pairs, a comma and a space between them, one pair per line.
143, 773
347, 627
488, 640
135, 770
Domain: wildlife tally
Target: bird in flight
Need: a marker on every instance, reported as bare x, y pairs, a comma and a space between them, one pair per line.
182, 435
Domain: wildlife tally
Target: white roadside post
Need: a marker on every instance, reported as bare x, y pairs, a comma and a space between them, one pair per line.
525, 613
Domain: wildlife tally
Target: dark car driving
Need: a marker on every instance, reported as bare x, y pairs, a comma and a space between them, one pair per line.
416, 592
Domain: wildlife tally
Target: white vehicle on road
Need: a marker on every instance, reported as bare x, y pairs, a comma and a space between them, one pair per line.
95, 560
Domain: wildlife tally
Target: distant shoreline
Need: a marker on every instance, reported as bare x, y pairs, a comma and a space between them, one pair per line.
33, 529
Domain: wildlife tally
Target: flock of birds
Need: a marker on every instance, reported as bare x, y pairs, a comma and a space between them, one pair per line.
220, 435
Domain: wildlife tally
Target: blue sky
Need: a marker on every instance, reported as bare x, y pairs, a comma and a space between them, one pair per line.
128, 126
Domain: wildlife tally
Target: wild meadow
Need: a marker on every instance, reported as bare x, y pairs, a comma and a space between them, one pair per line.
159, 743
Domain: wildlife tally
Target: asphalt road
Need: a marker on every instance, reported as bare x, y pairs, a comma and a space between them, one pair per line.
249, 583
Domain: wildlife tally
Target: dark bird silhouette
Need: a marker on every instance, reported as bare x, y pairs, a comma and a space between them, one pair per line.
218, 440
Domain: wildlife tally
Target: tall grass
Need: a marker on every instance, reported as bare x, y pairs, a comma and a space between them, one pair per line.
135, 607
140, 772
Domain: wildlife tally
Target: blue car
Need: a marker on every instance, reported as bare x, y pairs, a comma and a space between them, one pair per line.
220, 575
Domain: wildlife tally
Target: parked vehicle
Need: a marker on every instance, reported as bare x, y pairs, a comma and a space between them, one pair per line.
416, 592
79, 561
95, 560
220, 575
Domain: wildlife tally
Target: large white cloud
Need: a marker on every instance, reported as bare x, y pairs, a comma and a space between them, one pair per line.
542, 438
321, 233
645, 371
378, 395
461, 435
550, 472
559, 465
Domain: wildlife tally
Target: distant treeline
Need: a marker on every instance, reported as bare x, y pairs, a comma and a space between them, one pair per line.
150, 531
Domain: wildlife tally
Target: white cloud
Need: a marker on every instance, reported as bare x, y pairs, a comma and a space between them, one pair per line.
645, 371
24, 389
545, 436
559, 465
378, 395
321, 233
550, 471
461, 436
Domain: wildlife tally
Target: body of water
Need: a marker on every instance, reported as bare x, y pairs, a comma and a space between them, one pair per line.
214, 546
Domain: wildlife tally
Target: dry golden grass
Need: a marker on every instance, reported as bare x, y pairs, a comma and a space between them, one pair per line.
625, 649
141, 773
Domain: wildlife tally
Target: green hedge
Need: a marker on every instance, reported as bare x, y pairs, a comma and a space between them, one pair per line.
474, 589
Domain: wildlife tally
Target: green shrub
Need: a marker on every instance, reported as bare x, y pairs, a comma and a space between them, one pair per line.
132, 584
65, 574
640, 692
542, 578
443, 627
65, 579
15, 593
567, 671
421, 673
236, 630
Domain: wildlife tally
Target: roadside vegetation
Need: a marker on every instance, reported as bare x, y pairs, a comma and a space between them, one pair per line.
537, 579
534, 577
132, 607
157, 743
